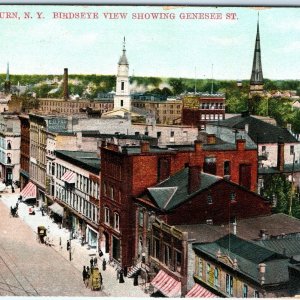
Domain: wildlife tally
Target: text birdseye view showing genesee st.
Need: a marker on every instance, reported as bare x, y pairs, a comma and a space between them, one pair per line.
126, 186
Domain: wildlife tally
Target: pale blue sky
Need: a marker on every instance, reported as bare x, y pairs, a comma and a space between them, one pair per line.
170, 48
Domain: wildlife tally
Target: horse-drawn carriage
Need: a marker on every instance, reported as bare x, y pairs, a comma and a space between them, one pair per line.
95, 280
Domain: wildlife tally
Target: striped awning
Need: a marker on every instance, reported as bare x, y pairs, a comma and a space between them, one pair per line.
199, 291
167, 285
29, 191
57, 209
69, 177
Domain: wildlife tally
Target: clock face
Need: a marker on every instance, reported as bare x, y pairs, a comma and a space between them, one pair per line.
191, 103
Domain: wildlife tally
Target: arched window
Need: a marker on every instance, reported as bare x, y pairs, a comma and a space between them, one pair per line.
117, 221
9, 145
106, 215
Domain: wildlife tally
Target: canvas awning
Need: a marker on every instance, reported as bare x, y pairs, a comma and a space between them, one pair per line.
166, 284
29, 191
57, 209
69, 177
199, 291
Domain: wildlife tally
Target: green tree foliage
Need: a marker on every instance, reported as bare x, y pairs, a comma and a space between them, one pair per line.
278, 187
177, 85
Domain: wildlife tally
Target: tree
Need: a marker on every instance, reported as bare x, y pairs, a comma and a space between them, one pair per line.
177, 85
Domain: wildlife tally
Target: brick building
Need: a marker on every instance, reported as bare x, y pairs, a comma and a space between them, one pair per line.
24, 150
200, 109
128, 171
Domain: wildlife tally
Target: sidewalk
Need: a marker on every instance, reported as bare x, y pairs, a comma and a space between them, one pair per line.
80, 254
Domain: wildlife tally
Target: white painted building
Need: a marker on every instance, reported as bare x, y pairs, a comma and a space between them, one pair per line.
10, 137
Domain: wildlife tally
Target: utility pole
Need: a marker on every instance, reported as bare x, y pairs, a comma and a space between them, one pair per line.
292, 187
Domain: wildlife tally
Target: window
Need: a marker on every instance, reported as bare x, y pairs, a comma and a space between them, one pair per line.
292, 149
216, 277
177, 261
158, 134
210, 165
229, 284
167, 255
232, 196
9, 145
199, 267
256, 294
245, 291
121, 103
106, 215
122, 86
209, 199
112, 193
156, 247
104, 189
141, 218
263, 148
202, 117
117, 221
226, 168
172, 134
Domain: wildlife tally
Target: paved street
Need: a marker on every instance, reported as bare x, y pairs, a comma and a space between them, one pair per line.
28, 268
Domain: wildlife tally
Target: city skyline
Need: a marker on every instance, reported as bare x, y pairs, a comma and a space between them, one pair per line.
171, 47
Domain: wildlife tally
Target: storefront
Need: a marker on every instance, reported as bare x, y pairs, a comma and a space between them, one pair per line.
92, 237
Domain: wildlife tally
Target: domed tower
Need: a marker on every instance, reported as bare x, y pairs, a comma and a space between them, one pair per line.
122, 96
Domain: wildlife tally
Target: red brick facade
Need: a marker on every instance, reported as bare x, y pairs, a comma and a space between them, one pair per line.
228, 202
126, 174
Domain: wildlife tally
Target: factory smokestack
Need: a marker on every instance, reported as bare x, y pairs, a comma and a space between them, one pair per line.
65, 85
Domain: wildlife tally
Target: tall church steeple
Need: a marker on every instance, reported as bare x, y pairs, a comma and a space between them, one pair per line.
122, 97
257, 80
7, 81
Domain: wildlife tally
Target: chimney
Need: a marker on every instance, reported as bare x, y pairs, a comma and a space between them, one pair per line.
194, 179
263, 234
198, 146
211, 139
145, 147
65, 85
262, 272
247, 127
240, 144
280, 154
234, 227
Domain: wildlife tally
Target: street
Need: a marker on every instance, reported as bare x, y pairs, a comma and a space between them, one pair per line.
28, 268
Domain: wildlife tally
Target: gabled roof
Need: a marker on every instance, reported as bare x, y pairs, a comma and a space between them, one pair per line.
258, 130
248, 256
174, 190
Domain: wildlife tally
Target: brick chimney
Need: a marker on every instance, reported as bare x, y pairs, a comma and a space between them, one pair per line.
197, 146
280, 154
145, 147
211, 139
240, 144
194, 178
65, 85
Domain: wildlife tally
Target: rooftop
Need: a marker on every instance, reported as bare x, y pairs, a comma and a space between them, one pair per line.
86, 160
276, 225
258, 130
248, 256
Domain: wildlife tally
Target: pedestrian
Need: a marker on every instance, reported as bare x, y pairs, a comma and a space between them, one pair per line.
101, 281
91, 263
84, 274
118, 274
121, 278
135, 280
87, 276
12, 189
104, 264
68, 245
95, 261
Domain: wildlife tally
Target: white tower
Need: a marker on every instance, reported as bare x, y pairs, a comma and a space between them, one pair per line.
122, 96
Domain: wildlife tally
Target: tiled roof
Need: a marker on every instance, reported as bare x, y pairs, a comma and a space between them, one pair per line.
287, 168
258, 130
174, 190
